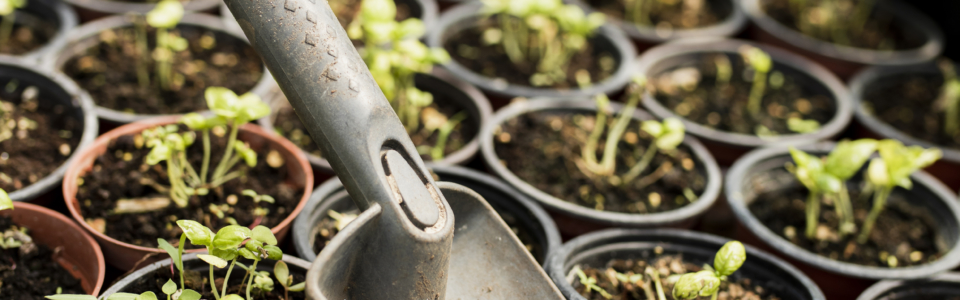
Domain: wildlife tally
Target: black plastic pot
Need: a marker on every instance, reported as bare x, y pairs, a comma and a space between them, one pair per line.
503, 198
86, 36
440, 82
646, 36
55, 89
95, 9
53, 11
190, 261
465, 16
573, 219
869, 125
728, 146
598, 248
764, 168
425, 10
843, 60
942, 286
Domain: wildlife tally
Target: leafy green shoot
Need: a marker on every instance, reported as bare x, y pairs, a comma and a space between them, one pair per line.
707, 282
761, 64
164, 16
893, 169
949, 98
5, 201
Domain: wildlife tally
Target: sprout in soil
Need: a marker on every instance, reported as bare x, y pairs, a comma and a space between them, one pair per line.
826, 180
11, 127
707, 282
949, 98
761, 64
395, 56
5, 201
834, 20
259, 211
342, 218
163, 17
590, 283
799, 125
8, 14
545, 33
890, 170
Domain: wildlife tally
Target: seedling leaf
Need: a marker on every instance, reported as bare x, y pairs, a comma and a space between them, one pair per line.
263, 234
213, 260
231, 236
730, 257
188, 294
5, 201
172, 251
298, 287
196, 232
169, 288
72, 297
147, 296
282, 273
123, 296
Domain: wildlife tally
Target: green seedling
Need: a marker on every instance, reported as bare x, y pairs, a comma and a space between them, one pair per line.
590, 283
259, 211
342, 219
282, 273
833, 20
707, 282
949, 98
666, 137
607, 164
761, 64
799, 125
227, 246
892, 169
5, 201
163, 17
826, 179
545, 33
8, 14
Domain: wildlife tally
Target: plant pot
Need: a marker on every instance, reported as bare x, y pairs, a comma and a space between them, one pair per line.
763, 171
90, 10
55, 89
56, 12
465, 16
732, 21
941, 286
126, 256
574, 219
598, 248
527, 216
843, 60
443, 86
425, 10
727, 146
191, 262
869, 125
83, 258
87, 36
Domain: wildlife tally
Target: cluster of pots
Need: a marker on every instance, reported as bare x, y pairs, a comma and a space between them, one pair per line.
734, 168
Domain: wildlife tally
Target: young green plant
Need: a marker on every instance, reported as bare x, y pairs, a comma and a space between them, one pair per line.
707, 282
163, 17
8, 15
761, 64
949, 98
5, 201
588, 153
892, 169
590, 283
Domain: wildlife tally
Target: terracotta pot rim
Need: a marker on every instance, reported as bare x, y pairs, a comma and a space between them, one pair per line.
73, 171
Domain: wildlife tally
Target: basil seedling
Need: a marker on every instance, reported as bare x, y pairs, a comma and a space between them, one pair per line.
707, 282
761, 64
5, 201
949, 98
164, 16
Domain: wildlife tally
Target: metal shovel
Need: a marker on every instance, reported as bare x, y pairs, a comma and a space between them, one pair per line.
405, 244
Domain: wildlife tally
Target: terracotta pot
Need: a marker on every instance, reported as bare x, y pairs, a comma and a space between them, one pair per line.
126, 256
84, 260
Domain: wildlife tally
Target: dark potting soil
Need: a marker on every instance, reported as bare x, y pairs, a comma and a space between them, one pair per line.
909, 104
108, 71
468, 49
881, 31
542, 149
120, 173
29, 33
905, 231
35, 274
735, 288
34, 140
680, 15
327, 229
347, 10
693, 92
199, 281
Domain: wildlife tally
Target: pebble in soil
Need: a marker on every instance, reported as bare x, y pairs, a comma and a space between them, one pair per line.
667, 15
668, 267
33, 274
908, 103
692, 91
36, 136
468, 49
882, 30
108, 70
120, 173
542, 149
198, 280
30, 32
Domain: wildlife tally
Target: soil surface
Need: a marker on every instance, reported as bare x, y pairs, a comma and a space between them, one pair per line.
34, 140
29, 33
35, 274
881, 31
198, 280
909, 104
109, 71
735, 288
120, 173
904, 231
468, 49
327, 229
686, 14
347, 10
692, 91
542, 149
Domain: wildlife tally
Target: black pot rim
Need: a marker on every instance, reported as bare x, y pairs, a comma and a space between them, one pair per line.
429, 17
462, 12
833, 84
302, 225
90, 125
740, 169
555, 264
884, 286
929, 50
729, 26
122, 283
67, 20
704, 201
121, 7
461, 156
858, 87
66, 48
